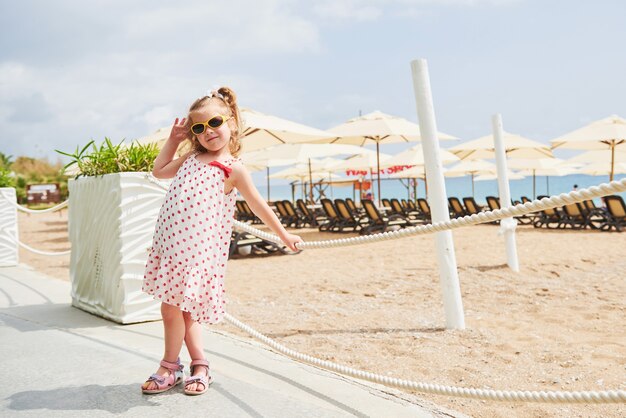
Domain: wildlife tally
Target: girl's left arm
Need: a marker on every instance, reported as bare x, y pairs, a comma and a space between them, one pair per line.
241, 179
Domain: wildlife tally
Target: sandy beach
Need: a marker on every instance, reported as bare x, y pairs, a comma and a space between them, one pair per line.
556, 325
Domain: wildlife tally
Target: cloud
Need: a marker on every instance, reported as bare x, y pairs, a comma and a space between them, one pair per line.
137, 66
371, 10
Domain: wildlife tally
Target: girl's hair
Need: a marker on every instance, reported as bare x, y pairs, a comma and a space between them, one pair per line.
226, 99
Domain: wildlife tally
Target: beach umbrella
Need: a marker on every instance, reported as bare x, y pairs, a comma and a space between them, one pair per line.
415, 156
602, 169
510, 174
600, 156
515, 146
377, 127
604, 134
301, 153
261, 131
539, 166
472, 168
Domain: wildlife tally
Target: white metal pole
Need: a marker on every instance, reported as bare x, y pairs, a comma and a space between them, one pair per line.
507, 225
437, 198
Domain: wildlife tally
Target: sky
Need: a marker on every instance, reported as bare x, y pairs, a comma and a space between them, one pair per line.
72, 71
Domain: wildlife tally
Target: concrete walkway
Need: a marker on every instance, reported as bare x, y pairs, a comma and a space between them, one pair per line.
57, 360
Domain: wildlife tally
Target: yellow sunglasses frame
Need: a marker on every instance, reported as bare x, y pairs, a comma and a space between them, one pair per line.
206, 124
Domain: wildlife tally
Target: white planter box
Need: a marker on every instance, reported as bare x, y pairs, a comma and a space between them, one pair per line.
9, 254
111, 223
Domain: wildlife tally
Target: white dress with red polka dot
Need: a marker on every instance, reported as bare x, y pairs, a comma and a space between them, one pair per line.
187, 262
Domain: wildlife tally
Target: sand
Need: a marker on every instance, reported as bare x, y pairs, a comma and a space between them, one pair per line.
556, 325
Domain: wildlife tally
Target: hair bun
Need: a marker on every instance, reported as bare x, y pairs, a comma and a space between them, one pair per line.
229, 96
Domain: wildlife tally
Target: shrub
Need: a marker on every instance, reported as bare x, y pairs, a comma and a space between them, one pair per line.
108, 158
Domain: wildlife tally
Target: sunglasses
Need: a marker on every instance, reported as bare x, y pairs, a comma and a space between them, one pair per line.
213, 123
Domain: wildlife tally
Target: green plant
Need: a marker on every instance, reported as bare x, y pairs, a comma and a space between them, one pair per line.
7, 179
5, 160
108, 158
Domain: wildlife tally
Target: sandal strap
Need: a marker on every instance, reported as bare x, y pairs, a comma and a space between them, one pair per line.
199, 378
173, 367
201, 362
157, 378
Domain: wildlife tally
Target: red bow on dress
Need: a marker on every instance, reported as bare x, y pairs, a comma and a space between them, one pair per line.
227, 170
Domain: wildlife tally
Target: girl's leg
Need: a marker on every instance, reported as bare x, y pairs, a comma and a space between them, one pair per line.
193, 341
174, 332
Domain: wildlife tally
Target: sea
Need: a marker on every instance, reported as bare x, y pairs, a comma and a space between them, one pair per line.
458, 187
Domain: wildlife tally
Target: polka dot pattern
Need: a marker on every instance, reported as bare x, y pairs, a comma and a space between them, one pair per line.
186, 266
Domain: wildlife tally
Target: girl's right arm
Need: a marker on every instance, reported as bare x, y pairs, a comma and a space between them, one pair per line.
165, 166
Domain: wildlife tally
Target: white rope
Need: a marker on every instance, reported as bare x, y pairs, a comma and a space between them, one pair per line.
25, 209
605, 396
482, 217
31, 249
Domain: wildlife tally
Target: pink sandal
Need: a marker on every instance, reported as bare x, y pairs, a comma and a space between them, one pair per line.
165, 383
204, 380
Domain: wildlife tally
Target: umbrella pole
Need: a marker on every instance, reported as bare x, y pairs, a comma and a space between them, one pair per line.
548, 185
268, 183
311, 183
472, 174
293, 192
415, 189
378, 167
612, 159
534, 189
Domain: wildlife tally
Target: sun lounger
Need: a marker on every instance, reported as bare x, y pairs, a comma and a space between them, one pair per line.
309, 216
377, 222
551, 218
471, 207
616, 210
456, 208
348, 220
257, 245
424, 209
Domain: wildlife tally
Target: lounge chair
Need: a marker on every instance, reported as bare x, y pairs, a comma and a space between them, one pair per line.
308, 216
456, 208
300, 220
250, 216
285, 217
424, 208
471, 207
333, 223
551, 218
573, 216
493, 203
403, 210
597, 218
377, 222
616, 210
240, 239
356, 212
348, 220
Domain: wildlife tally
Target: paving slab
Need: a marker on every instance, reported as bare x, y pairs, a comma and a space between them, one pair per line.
60, 361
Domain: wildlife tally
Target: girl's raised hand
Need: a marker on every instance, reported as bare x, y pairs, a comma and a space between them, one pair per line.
180, 131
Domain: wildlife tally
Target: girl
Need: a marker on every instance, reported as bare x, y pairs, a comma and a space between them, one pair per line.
187, 262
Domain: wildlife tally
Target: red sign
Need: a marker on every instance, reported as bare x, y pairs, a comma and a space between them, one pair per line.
388, 170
